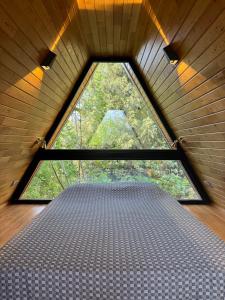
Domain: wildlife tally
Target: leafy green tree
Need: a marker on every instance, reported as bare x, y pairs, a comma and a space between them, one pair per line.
110, 114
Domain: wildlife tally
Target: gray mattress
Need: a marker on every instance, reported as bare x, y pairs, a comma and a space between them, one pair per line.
113, 241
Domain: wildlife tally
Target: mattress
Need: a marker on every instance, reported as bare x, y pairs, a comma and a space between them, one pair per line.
113, 241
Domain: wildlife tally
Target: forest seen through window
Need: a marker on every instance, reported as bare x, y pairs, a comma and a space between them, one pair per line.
110, 114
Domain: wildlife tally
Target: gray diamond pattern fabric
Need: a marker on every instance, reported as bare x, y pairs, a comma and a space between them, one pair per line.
113, 241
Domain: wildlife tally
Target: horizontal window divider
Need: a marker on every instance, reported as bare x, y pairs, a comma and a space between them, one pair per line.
92, 154
47, 201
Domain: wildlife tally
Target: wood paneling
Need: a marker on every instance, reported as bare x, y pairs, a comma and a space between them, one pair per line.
30, 99
14, 217
191, 94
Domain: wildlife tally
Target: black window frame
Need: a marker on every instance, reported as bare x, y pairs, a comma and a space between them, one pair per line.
43, 154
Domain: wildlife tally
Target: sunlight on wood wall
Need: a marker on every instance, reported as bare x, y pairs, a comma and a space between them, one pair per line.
191, 95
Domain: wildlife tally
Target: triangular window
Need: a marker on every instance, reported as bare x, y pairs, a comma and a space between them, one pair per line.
111, 113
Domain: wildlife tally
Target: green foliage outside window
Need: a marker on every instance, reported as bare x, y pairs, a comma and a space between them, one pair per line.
111, 114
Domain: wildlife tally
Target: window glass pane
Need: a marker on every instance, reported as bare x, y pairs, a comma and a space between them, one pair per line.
54, 176
111, 114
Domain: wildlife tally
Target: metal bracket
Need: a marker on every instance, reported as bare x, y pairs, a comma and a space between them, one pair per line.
177, 142
40, 141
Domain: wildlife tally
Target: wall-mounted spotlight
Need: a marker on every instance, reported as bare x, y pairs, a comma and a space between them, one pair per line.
171, 55
48, 60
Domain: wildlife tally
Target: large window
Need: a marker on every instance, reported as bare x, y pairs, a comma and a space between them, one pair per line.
54, 176
112, 113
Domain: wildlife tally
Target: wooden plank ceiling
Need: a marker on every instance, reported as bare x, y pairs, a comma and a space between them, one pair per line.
191, 95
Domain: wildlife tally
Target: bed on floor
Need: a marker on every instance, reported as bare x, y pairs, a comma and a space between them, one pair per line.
113, 241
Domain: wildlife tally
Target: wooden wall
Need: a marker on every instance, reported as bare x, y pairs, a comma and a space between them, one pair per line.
30, 98
191, 94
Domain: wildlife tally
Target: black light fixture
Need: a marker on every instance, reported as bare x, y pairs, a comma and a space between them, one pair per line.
171, 55
48, 60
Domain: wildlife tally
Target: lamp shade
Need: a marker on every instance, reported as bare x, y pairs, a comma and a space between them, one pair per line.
171, 55
48, 60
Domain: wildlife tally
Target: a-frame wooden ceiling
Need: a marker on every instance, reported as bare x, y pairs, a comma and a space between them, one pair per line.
190, 95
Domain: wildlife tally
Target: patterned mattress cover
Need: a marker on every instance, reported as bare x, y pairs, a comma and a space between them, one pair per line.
113, 241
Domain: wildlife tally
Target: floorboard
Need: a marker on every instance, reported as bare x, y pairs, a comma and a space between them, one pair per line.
14, 217
212, 216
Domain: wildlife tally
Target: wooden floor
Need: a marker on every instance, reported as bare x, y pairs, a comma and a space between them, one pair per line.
14, 217
212, 216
